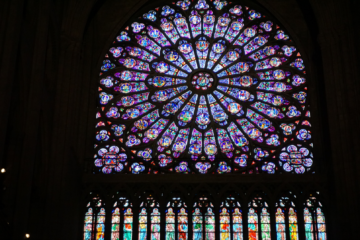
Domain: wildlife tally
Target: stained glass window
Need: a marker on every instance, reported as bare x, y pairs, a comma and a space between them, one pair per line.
142, 224
122, 216
314, 219
286, 218
170, 224
176, 220
280, 224
149, 213
231, 219
203, 219
94, 223
258, 209
203, 87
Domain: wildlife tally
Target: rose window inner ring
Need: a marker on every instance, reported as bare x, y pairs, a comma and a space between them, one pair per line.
202, 81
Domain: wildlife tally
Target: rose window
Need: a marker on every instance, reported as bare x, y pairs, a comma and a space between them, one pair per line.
203, 87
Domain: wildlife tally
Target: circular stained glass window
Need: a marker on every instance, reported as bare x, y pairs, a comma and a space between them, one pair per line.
203, 87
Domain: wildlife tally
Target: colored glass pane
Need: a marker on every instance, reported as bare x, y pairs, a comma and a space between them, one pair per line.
182, 224
128, 224
253, 225
115, 224
142, 224
224, 224
170, 224
293, 226
309, 225
280, 224
265, 224
237, 225
155, 224
197, 220
321, 224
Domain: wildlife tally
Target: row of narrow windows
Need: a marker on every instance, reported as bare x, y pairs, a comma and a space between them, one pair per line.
200, 221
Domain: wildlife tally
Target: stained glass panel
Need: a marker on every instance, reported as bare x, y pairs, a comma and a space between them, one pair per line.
155, 224
115, 224
170, 224
265, 224
224, 224
100, 225
88, 224
280, 224
209, 225
182, 224
142, 224
309, 225
128, 224
197, 220
253, 225
211, 81
321, 224
293, 226
237, 225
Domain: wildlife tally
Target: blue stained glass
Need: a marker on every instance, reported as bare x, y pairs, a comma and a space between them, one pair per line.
195, 147
255, 44
130, 100
250, 129
173, 106
224, 142
216, 51
139, 53
234, 30
217, 112
202, 49
203, 117
210, 148
247, 34
157, 35
187, 50
208, 23
149, 44
182, 26
187, 112
169, 30
195, 23
146, 121
228, 59
169, 135
181, 141
221, 26
155, 130
175, 58
137, 111
164, 95
237, 136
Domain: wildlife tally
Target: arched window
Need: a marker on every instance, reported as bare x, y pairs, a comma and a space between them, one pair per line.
149, 219
94, 223
231, 219
122, 219
258, 210
203, 219
314, 219
286, 218
176, 220
216, 82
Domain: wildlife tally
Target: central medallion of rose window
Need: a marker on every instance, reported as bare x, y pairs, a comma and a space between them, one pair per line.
202, 81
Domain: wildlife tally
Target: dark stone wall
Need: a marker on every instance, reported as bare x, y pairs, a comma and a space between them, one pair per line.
50, 54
